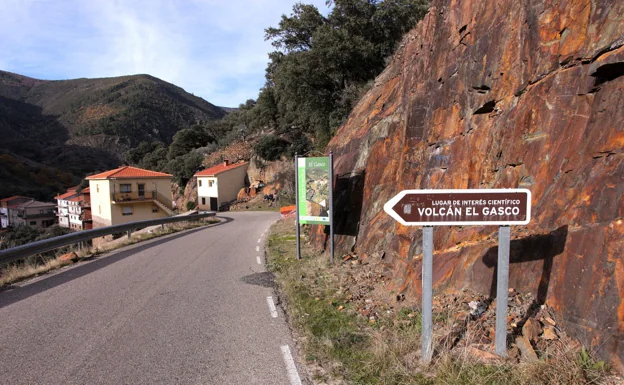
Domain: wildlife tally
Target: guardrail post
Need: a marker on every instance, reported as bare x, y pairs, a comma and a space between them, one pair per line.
162, 227
129, 234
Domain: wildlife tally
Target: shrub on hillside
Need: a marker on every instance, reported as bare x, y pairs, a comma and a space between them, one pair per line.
184, 167
271, 147
20, 235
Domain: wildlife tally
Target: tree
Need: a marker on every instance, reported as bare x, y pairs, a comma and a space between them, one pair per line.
136, 155
156, 159
184, 167
53, 231
295, 32
20, 235
322, 64
187, 140
271, 147
265, 111
300, 144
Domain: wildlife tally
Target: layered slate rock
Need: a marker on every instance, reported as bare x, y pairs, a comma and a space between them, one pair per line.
513, 94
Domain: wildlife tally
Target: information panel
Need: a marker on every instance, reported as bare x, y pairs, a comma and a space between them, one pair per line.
313, 194
501, 207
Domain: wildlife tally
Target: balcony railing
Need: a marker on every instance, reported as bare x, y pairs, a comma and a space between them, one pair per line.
133, 196
37, 215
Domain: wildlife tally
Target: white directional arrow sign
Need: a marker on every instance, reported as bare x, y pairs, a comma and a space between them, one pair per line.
427, 208
501, 207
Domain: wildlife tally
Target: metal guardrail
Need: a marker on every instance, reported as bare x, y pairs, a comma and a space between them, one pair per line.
20, 252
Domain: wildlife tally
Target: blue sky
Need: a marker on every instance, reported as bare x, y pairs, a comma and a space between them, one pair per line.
212, 48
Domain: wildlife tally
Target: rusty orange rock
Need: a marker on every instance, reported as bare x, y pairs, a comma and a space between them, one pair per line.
513, 95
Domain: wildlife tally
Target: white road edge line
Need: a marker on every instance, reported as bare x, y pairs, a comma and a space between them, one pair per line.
259, 239
259, 261
290, 366
272, 307
257, 248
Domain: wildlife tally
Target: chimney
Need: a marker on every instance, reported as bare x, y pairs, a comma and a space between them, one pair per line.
226, 162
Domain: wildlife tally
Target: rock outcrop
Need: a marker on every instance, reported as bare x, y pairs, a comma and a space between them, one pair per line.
501, 95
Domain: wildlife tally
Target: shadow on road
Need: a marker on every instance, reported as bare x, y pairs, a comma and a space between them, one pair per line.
15, 293
264, 279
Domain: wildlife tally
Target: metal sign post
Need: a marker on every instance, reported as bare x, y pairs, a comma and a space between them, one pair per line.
502, 207
331, 206
297, 206
427, 295
502, 288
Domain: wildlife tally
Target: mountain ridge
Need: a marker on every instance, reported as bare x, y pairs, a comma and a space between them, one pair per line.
86, 125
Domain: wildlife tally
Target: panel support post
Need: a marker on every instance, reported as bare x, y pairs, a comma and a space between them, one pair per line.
502, 290
297, 206
427, 294
331, 206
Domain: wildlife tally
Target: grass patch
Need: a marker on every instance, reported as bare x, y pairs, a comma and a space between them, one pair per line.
36, 265
346, 344
18, 272
341, 345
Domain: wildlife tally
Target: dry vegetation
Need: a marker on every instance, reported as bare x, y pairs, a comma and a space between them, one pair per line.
352, 331
28, 269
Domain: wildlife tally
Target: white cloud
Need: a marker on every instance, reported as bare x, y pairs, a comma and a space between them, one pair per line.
213, 48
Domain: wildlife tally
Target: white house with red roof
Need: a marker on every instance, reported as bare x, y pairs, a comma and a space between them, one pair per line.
220, 184
62, 204
74, 209
129, 194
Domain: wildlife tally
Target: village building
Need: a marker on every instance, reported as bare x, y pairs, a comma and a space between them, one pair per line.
74, 209
220, 184
62, 203
129, 194
8, 209
33, 213
80, 211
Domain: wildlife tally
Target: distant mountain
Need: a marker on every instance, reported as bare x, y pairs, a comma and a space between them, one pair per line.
229, 109
84, 125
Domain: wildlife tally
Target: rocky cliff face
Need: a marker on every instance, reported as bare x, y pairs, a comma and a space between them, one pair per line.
513, 94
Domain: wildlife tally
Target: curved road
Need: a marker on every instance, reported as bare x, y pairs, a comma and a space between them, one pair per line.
189, 308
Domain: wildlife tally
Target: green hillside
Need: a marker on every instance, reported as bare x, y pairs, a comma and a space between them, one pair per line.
86, 125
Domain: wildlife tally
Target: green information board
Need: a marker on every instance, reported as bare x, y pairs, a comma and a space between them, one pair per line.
313, 194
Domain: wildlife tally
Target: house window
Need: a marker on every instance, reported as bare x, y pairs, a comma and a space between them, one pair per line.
127, 210
210, 183
99, 209
33, 223
154, 209
125, 188
199, 181
203, 201
97, 188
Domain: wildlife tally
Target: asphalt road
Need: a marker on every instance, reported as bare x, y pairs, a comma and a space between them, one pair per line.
189, 308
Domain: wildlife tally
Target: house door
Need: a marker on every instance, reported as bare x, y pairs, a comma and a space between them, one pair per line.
141, 191
213, 204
